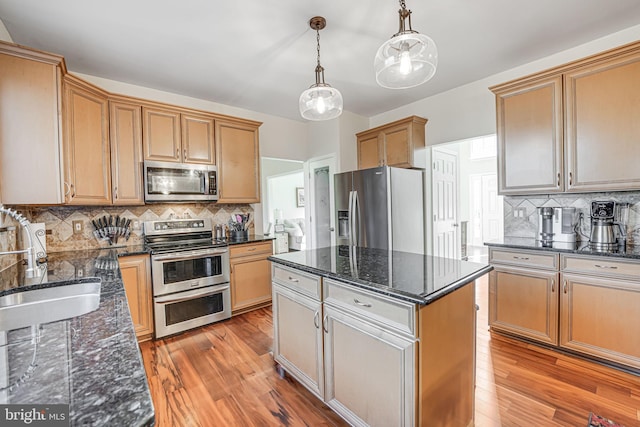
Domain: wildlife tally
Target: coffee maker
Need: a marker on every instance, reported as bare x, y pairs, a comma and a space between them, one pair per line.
606, 217
556, 225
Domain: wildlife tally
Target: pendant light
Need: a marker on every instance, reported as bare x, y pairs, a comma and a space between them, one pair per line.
406, 60
320, 101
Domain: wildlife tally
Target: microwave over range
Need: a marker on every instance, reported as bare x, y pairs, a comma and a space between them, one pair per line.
180, 182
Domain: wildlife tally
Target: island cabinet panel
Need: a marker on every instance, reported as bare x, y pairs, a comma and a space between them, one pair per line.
446, 360
529, 123
369, 371
602, 104
30, 111
250, 276
125, 121
297, 340
600, 308
297, 328
86, 143
238, 153
136, 276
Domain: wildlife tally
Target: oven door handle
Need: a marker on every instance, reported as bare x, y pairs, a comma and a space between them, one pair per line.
189, 255
170, 299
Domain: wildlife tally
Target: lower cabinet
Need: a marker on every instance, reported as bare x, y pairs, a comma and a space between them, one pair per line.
250, 276
586, 304
136, 276
369, 371
600, 309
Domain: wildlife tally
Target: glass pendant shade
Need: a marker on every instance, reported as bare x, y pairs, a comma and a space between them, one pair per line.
320, 102
406, 60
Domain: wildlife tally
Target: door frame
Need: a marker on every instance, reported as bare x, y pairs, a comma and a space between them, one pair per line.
329, 161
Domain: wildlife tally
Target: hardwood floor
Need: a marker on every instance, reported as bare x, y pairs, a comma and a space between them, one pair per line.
223, 375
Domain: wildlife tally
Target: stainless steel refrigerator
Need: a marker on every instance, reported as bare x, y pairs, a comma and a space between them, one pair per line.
381, 208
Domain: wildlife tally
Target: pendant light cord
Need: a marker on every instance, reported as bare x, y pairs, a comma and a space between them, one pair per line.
318, 44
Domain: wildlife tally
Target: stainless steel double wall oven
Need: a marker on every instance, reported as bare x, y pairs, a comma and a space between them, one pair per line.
190, 275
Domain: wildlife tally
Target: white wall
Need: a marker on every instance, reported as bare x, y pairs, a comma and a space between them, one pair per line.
469, 111
285, 196
271, 167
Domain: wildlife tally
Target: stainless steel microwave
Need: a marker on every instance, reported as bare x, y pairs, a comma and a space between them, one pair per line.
180, 182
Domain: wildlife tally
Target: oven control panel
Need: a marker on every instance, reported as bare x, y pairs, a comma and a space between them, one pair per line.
178, 225
171, 226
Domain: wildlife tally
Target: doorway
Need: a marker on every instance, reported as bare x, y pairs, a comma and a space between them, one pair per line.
321, 215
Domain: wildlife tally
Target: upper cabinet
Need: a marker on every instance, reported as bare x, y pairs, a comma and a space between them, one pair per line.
30, 132
573, 128
86, 149
529, 123
393, 144
178, 136
125, 135
237, 146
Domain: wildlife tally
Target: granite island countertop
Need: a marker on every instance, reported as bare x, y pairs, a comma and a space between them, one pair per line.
579, 248
91, 362
420, 279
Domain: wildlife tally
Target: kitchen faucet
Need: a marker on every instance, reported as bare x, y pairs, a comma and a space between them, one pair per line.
31, 271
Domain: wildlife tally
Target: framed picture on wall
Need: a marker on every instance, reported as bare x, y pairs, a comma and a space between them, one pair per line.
299, 197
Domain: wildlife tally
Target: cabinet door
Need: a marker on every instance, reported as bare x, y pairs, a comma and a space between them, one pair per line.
369, 155
197, 139
86, 143
600, 317
398, 146
29, 127
161, 134
369, 372
125, 122
250, 282
297, 337
524, 302
238, 160
602, 112
136, 277
530, 127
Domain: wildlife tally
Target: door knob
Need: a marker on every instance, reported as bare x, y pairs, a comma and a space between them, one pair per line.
331, 229
455, 224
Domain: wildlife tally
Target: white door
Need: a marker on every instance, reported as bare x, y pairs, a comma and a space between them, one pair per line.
492, 217
445, 203
320, 212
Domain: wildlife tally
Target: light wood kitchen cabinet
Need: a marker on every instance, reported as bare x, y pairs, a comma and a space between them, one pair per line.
31, 169
250, 276
530, 135
238, 154
571, 128
177, 135
136, 276
393, 144
600, 308
298, 335
125, 125
602, 111
523, 294
86, 143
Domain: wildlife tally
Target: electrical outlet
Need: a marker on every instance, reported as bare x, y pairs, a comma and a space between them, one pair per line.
136, 225
77, 226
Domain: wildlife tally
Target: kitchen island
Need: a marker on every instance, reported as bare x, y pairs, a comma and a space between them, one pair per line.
92, 361
383, 337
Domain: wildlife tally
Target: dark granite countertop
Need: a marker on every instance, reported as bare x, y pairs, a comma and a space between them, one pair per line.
91, 362
416, 278
581, 248
253, 238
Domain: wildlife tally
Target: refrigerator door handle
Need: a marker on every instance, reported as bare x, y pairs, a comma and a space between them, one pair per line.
356, 222
350, 218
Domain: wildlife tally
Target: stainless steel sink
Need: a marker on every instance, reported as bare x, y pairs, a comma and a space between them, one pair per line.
22, 309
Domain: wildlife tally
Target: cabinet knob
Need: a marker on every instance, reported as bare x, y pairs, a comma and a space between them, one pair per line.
570, 178
553, 286
564, 287
184, 152
558, 179
361, 303
316, 317
178, 153
325, 328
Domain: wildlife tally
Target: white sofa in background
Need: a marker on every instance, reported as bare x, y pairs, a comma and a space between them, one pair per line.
297, 237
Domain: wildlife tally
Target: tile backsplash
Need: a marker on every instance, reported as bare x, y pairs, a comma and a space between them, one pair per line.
526, 225
59, 221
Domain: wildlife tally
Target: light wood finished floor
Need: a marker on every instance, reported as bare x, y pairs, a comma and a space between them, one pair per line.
223, 375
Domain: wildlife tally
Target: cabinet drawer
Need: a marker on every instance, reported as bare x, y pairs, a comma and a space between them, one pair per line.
601, 266
394, 314
305, 283
250, 249
524, 258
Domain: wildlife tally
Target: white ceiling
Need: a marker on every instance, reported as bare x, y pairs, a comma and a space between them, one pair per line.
261, 54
